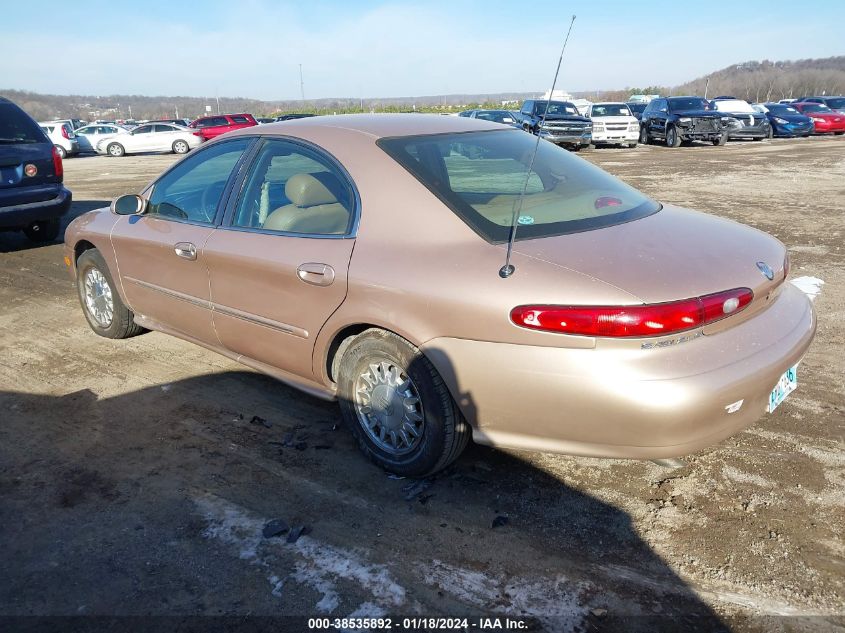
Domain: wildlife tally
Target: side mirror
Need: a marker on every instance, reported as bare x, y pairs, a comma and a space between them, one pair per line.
129, 204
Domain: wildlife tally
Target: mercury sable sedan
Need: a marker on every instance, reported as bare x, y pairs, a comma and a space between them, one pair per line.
361, 258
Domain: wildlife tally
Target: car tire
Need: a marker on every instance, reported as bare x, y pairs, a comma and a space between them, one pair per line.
43, 231
61, 151
181, 147
644, 139
413, 433
632, 145
115, 149
838, 133
721, 141
98, 295
673, 139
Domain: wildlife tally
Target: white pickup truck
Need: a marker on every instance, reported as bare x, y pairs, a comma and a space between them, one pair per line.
613, 124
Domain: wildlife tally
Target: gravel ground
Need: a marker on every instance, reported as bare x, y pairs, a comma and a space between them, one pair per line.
133, 482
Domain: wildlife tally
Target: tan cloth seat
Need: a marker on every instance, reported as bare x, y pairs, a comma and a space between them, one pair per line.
314, 207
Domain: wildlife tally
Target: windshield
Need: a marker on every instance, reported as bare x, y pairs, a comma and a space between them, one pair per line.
781, 109
733, 105
480, 177
17, 127
610, 109
837, 104
816, 107
555, 108
682, 105
637, 107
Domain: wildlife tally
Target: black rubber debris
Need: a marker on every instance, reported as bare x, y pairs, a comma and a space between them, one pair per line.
415, 488
259, 420
499, 521
296, 532
276, 527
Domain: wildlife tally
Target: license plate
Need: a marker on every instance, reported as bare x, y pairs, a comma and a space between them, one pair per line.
786, 385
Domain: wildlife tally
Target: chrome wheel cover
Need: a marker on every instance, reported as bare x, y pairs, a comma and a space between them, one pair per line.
98, 297
388, 407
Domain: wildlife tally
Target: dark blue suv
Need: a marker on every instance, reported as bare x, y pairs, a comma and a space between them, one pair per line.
32, 197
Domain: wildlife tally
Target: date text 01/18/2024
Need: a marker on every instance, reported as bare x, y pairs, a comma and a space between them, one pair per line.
418, 623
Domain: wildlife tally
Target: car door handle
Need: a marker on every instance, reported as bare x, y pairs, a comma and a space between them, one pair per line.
316, 274
185, 250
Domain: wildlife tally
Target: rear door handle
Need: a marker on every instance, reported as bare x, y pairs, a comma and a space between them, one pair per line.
186, 250
316, 274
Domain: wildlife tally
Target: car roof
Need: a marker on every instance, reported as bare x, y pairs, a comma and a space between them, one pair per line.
377, 125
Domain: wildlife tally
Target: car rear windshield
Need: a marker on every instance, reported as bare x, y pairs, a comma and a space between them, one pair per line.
17, 127
836, 104
480, 176
682, 105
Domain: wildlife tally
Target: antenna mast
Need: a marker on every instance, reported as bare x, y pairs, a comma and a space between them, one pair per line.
508, 269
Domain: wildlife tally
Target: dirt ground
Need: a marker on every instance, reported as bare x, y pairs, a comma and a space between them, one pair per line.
133, 482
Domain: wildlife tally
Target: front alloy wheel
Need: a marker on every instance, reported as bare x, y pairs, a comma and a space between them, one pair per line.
672, 137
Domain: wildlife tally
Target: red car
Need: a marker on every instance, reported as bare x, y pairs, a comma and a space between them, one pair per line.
211, 126
825, 120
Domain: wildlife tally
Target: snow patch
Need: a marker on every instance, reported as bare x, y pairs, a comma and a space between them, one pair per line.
810, 286
318, 565
548, 600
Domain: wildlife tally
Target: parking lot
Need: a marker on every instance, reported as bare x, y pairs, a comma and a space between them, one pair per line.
135, 479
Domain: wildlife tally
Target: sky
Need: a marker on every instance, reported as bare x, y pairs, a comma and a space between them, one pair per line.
359, 48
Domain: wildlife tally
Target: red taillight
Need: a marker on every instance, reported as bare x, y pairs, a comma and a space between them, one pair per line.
57, 163
642, 320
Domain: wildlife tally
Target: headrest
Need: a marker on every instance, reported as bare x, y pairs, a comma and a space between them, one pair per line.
308, 190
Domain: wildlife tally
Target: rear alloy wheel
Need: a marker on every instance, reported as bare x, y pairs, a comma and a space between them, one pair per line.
722, 140
397, 405
107, 315
43, 230
673, 139
115, 149
61, 151
180, 147
644, 139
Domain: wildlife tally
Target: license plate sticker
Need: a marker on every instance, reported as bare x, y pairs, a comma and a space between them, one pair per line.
786, 385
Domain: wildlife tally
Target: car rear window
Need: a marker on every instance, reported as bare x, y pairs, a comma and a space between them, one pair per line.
480, 177
240, 119
836, 103
17, 127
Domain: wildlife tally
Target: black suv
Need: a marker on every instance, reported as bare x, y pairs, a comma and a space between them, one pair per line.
563, 125
32, 197
677, 119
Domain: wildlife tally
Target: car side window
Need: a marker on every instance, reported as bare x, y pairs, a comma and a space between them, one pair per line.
192, 190
144, 129
527, 107
294, 189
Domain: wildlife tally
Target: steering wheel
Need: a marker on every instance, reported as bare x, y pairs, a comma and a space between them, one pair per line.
210, 199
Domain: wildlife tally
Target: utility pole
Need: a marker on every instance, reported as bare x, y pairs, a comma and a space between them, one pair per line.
217, 96
301, 83
706, 85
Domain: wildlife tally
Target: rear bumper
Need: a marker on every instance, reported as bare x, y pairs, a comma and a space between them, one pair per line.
626, 402
23, 214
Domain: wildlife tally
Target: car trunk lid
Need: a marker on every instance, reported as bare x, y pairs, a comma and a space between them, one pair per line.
668, 256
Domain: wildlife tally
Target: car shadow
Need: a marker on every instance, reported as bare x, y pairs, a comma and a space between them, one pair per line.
112, 483
14, 241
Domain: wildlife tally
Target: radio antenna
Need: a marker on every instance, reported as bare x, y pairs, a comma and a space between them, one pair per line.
508, 269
